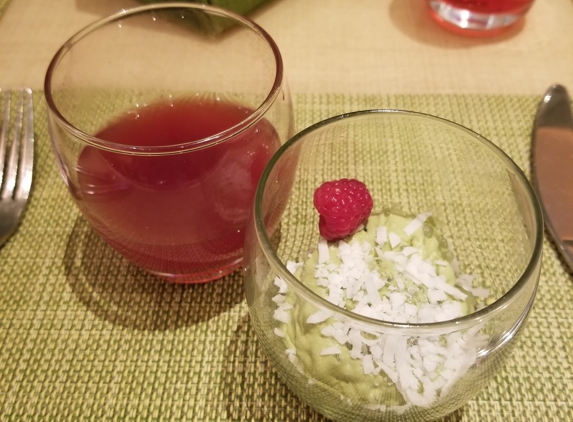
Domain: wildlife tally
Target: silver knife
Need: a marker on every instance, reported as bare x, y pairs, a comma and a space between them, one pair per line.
552, 149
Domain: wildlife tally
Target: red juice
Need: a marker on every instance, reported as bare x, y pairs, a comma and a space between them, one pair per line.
491, 6
176, 214
478, 18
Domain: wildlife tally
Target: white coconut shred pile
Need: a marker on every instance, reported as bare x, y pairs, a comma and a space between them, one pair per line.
423, 369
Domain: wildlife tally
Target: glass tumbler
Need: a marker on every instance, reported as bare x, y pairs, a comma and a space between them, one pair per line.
162, 119
478, 17
373, 364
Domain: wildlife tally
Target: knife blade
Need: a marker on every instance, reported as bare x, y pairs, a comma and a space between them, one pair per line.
552, 150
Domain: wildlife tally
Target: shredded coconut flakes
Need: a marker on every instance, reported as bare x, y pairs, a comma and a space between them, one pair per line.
423, 369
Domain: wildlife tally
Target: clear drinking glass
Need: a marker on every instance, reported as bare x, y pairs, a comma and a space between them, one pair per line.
400, 371
162, 119
478, 17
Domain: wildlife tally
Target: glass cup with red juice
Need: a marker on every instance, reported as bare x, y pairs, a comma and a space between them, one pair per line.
478, 17
162, 119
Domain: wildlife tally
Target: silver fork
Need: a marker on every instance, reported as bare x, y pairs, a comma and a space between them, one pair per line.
16, 157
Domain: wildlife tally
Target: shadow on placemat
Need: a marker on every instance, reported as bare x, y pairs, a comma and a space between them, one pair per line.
123, 294
254, 390
252, 387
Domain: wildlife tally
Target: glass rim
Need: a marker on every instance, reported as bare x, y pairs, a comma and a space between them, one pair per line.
431, 328
217, 138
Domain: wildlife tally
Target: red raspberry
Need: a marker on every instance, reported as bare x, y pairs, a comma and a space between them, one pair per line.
343, 206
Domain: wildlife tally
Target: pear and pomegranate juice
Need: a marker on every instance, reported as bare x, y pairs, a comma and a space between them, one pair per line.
183, 213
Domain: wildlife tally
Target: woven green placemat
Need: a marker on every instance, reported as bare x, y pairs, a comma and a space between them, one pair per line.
86, 336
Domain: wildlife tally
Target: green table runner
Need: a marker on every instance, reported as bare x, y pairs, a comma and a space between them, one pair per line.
86, 336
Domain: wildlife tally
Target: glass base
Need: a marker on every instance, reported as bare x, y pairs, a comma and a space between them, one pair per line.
467, 22
203, 277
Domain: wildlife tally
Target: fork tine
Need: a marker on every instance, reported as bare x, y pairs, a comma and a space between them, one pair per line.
17, 133
4, 133
11, 169
26, 164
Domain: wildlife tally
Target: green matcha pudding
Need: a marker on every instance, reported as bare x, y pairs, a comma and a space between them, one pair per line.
395, 268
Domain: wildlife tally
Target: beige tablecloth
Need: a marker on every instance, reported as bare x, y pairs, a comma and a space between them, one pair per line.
340, 46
